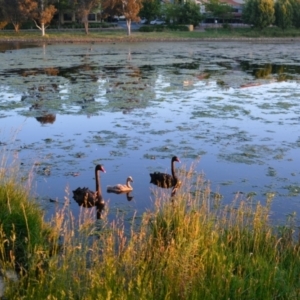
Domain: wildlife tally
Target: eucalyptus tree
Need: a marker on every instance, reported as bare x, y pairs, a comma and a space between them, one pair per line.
283, 14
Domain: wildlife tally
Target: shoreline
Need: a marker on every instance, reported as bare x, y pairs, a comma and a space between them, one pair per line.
148, 40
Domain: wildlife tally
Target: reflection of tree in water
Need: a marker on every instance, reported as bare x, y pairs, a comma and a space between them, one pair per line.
263, 72
271, 71
37, 96
47, 118
129, 87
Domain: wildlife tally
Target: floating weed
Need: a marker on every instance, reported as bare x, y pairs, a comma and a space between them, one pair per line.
203, 114
271, 172
285, 105
166, 148
159, 132
78, 155
48, 140
44, 169
270, 195
117, 153
227, 182
294, 190
250, 195
279, 156
149, 156
245, 158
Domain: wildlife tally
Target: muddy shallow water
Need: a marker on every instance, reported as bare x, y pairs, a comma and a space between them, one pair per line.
232, 108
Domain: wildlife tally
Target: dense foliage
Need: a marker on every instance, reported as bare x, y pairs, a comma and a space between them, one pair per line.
283, 14
260, 13
218, 9
150, 10
296, 13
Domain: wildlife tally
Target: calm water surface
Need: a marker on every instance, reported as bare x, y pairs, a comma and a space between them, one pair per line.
231, 109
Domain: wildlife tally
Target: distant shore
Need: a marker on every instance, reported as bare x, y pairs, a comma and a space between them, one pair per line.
270, 35
137, 40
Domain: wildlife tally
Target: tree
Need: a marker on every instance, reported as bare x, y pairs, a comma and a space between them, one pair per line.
16, 11
190, 13
111, 8
131, 10
260, 13
296, 13
247, 11
42, 14
3, 18
283, 14
150, 10
128, 8
218, 9
84, 8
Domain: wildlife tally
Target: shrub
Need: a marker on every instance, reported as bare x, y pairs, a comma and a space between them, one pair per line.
177, 27
146, 29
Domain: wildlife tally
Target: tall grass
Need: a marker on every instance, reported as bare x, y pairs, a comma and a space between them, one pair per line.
189, 247
23, 233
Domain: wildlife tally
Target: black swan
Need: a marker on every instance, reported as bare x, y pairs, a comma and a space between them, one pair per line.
87, 198
166, 180
121, 188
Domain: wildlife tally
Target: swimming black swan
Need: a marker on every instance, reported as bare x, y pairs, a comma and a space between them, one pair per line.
166, 180
87, 198
121, 188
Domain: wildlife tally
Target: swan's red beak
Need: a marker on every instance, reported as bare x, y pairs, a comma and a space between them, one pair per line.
103, 170
178, 160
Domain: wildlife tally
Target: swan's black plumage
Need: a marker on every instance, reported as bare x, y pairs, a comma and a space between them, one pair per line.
165, 180
87, 198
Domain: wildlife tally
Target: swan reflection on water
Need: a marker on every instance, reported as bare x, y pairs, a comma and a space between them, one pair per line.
129, 197
87, 198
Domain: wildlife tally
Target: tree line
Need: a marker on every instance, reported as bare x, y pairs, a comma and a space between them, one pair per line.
262, 13
259, 13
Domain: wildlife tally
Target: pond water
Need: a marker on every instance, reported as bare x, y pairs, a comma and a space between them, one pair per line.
229, 108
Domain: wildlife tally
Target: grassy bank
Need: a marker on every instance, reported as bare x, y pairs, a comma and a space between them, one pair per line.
188, 247
119, 35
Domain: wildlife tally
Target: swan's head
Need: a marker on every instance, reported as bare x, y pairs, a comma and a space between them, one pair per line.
100, 168
175, 158
129, 179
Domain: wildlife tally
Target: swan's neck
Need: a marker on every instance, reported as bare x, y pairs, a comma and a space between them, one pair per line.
173, 168
98, 186
128, 183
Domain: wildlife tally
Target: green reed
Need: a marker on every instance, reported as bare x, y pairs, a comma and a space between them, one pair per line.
189, 247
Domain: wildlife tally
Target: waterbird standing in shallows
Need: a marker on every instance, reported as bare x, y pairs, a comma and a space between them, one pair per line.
121, 188
87, 198
165, 180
